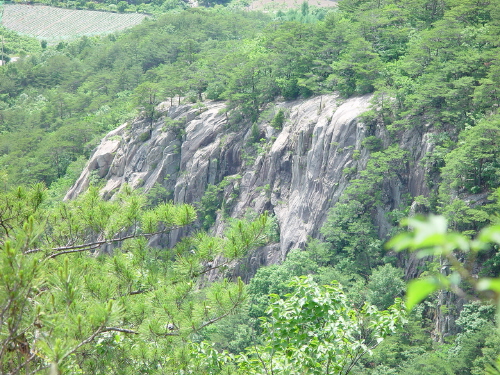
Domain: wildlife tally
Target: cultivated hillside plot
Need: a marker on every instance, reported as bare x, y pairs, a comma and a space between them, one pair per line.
53, 24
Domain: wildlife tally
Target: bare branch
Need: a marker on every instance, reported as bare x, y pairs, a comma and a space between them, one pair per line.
91, 338
84, 342
211, 321
21, 366
116, 329
52, 256
135, 292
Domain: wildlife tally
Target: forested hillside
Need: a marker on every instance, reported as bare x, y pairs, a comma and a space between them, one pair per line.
93, 286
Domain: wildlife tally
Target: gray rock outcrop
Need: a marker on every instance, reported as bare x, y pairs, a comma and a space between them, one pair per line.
296, 174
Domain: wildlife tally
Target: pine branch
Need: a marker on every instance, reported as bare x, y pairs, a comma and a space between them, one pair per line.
22, 365
135, 292
216, 319
95, 244
91, 338
132, 293
84, 342
212, 321
73, 251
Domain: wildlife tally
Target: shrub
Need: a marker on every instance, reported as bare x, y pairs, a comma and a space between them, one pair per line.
372, 143
145, 136
278, 120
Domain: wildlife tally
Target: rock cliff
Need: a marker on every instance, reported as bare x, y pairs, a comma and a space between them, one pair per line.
295, 173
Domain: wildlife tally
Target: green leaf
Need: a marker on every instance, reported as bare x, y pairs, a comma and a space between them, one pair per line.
418, 290
487, 283
490, 234
400, 242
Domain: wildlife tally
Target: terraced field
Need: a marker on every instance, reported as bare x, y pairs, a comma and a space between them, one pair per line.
54, 24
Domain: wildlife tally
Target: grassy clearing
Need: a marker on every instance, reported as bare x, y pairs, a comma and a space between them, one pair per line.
55, 24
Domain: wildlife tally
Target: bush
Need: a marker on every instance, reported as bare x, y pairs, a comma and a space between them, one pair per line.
255, 133
385, 284
278, 120
122, 6
289, 89
372, 143
145, 136
214, 91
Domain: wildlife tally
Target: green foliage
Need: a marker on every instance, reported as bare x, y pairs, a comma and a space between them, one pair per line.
357, 70
486, 363
213, 200
18, 45
208, 3
175, 126
210, 203
352, 236
275, 279
402, 348
384, 285
476, 321
60, 187
254, 133
54, 106
372, 143
429, 363
121, 6
157, 194
81, 290
145, 136
278, 120
147, 96
431, 237
474, 316
471, 167
472, 351
315, 330
390, 163
420, 77
234, 333
433, 67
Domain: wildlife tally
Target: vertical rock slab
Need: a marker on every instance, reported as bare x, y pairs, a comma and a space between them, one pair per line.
297, 174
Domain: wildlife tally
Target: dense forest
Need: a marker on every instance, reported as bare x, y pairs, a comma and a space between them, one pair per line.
83, 290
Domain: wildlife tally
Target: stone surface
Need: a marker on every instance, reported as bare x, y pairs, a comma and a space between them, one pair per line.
296, 175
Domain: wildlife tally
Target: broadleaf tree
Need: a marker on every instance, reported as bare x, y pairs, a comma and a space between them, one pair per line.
313, 330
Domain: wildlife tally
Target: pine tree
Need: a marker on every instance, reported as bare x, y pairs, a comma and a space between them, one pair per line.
82, 291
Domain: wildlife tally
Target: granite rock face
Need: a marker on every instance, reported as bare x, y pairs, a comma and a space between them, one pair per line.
296, 174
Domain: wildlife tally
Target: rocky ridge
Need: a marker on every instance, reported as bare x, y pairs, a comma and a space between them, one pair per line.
296, 174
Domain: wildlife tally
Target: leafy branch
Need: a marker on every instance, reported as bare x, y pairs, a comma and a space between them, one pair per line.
430, 237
